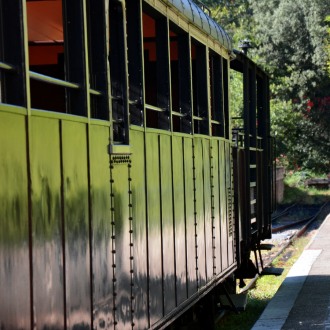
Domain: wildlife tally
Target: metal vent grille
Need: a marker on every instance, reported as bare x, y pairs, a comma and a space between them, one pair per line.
120, 159
230, 212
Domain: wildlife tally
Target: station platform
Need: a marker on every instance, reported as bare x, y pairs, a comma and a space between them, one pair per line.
303, 299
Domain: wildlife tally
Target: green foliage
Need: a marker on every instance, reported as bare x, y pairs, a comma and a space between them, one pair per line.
327, 43
235, 17
292, 45
236, 97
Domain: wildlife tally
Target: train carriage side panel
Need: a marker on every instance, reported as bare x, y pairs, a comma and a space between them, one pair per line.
122, 247
179, 196
230, 206
47, 227
154, 228
139, 211
216, 204
190, 215
102, 238
209, 252
166, 188
199, 212
14, 225
223, 207
76, 224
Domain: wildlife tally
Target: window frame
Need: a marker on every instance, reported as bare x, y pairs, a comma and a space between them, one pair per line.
200, 87
12, 57
157, 115
181, 117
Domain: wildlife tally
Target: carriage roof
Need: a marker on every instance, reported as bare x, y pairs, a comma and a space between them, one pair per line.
198, 17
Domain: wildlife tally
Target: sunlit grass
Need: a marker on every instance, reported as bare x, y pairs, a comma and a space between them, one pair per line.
296, 189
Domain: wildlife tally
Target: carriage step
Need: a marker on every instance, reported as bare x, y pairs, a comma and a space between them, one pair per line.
272, 271
267, 247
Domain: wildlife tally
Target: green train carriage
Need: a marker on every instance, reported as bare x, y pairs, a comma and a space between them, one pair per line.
117, 192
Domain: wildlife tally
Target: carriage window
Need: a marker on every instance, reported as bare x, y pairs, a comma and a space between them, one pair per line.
133, 10
199, 86
156, 69
12, 84
180, 73
118, 73
216, 94
97, 59
57, 75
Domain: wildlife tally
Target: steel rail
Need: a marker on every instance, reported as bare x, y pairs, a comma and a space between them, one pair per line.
284, 211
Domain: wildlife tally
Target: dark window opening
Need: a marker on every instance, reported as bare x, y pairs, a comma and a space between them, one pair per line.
12, 80
216, 94
44, 95
199, 86
156, 70
118, 73
46, 53
180, 77
98, 59
56, 53
133, 11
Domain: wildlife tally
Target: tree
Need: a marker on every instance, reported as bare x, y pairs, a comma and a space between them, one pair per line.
292, 46
235, 17
328, 42
291, 38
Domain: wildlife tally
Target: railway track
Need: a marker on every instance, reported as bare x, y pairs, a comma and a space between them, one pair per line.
307, 220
